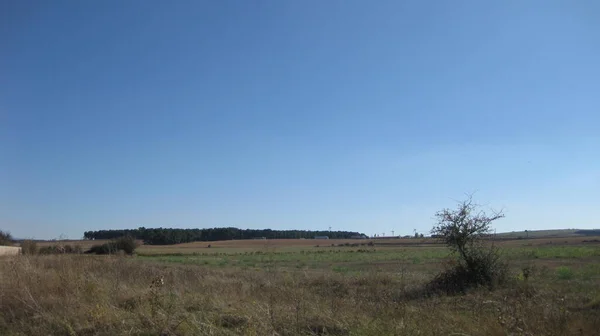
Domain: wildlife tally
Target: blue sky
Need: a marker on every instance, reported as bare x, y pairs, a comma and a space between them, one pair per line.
359, 115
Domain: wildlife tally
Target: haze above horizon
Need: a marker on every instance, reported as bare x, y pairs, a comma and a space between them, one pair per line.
360, 116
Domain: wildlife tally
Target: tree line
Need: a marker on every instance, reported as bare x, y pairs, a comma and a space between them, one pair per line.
168, 236
588, 232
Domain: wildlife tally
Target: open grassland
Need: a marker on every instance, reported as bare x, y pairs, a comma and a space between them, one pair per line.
295, 288
309, 244
281, 245
359, 260
541, 234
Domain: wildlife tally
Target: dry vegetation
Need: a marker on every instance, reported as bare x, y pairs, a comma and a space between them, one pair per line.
83, 244
299, 244
304, 244
309, 287
343, 294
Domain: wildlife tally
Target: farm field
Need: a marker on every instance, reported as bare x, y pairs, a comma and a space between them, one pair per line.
304, 244
293, 287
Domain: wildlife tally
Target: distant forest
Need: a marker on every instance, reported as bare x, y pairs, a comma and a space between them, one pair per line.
588, 232
165, 236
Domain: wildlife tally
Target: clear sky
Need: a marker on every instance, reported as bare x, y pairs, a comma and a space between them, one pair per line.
359, 115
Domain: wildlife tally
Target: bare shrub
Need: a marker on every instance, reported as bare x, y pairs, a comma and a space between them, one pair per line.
75, 249
6, 238
126, 244
60, 249
464, 231
486, 269
29, 247
52, 249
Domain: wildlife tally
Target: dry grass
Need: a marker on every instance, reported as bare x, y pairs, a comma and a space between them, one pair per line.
308, 244
89, 295
302, 242
84, 244
578, 240
236, 246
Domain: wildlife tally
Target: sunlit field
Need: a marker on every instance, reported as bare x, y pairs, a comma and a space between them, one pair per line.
295, 287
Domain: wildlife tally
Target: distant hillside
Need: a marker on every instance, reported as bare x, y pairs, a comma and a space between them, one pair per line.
549, 233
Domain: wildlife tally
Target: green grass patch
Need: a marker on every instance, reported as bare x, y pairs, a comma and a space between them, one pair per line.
564, 273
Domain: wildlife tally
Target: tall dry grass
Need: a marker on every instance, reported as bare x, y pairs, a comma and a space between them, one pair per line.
110, 295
